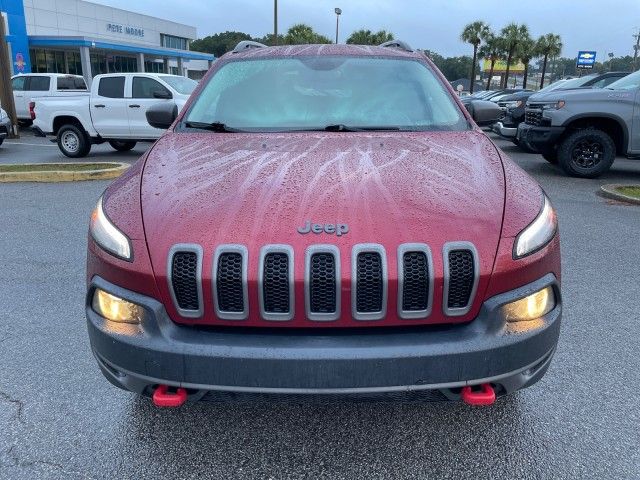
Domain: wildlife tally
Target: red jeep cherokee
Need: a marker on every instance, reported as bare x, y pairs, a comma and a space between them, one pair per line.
323, 219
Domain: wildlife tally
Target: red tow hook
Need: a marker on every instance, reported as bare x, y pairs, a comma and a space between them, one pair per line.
163, 398
486, 396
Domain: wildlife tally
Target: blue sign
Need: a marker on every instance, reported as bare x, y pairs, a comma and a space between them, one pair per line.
17, 35
586, 59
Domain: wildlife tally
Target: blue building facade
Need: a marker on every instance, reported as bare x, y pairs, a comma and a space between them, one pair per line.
13, 11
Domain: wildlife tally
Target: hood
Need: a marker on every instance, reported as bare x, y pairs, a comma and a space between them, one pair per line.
592, 94
258, 189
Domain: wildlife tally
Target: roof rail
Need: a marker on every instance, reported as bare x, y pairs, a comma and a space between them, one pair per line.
246, 45
397, 44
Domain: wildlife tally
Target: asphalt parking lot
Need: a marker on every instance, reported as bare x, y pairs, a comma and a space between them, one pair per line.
59, 418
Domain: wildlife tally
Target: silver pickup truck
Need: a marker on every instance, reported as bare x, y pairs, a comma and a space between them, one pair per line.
584, 130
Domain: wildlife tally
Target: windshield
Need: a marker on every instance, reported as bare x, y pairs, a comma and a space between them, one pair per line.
577, 82
311, 93
182, 85
630, 82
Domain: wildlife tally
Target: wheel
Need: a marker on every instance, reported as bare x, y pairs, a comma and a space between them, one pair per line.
587, 153
1, 140
73, 142
551, 157
122, 146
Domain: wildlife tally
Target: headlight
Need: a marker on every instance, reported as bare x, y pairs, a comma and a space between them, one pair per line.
538, 233
107, 235
510, 104
553, 105
531, 307
115, 308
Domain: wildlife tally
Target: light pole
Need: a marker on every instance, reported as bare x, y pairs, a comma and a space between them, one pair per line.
275, 22
338, 12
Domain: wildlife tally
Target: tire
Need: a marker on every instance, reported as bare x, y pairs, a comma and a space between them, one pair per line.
586, 153
551, 157
1, 140
73, 142
122, 146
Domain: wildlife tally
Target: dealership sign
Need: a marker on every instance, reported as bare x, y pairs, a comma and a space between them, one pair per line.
119, 28
586, 59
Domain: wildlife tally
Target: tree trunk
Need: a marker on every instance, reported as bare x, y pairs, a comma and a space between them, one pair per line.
526, 74
544, 70
473, 68
506, 72
493, 62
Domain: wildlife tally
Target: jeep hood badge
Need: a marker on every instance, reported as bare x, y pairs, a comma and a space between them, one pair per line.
338, 228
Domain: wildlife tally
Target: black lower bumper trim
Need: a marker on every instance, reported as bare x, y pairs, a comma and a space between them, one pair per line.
277, 361
539, 138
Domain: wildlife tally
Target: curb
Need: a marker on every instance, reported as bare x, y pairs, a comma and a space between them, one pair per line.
611, 192
114, 170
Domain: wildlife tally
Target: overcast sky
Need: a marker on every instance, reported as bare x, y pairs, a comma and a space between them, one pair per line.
601, 25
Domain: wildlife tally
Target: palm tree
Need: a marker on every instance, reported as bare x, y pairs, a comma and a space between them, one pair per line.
367, 37
492, 50
473, 33
302, 34
512, 34
526, 51
549, 45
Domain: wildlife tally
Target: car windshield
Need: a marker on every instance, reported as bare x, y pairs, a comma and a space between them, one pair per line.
630, 82
182, 85
577, 82
313, 93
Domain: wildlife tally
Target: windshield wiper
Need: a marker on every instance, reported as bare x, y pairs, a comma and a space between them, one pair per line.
340, 127
213, 126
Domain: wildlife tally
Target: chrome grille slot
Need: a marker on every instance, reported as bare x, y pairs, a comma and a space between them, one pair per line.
275, 282
368, 282
230, 293
415, 280
184, 274
461, 274
322, 283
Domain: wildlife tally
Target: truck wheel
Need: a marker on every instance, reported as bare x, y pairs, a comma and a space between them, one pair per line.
587, 153
73, 142
1, 140
122, 146
551, 156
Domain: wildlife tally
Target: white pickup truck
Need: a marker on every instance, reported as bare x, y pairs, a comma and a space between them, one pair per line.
114, 111
30, 85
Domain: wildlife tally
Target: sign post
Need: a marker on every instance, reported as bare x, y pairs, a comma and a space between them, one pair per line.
586, 60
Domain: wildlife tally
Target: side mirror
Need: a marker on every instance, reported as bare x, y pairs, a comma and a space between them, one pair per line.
162, 94
484, 112
162, 115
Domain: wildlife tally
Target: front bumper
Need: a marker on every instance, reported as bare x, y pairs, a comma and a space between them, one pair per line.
5, 127
539, 138
487, 350
505, 131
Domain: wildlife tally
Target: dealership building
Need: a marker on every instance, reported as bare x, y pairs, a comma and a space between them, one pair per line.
84, 38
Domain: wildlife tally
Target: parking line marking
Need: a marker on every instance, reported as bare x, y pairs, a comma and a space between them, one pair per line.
30, 144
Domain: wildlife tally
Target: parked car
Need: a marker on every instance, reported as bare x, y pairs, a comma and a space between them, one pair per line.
323, 221
493, 95
114, 111
5, 125
514, 105
27, 86
583, 130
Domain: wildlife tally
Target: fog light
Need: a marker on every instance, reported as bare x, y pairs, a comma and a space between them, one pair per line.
115, 308
529, 308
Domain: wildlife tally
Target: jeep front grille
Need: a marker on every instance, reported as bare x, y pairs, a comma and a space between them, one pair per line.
276, 282
185, 279
415, 280
369, 282
230, 282
323, 286
461, 277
